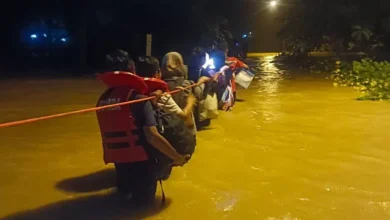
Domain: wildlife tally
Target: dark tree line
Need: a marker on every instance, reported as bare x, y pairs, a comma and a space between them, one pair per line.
336, 25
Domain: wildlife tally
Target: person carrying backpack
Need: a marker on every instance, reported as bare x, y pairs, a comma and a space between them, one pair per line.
175, 73
130, 133
170, 116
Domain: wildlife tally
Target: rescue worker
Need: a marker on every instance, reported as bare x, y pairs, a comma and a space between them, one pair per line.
129, 132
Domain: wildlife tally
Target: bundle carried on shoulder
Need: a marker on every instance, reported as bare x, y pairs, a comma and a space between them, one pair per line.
173, 128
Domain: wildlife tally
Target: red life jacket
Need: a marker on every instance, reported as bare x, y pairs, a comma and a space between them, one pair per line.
120, 135
120, 78
156, 84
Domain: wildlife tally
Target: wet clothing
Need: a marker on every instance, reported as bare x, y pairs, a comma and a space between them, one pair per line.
140, 178
234, 65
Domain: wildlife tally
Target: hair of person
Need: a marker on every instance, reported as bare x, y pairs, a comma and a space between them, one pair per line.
173, 66
147, 66
118, 60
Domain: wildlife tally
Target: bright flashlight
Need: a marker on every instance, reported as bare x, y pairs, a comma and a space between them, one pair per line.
209, 62
273, 3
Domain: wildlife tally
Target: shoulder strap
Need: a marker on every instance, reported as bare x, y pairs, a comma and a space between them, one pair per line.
130, 95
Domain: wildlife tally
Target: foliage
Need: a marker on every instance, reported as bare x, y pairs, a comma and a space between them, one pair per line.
336, 25
361, 33
369, 77
217, 32
364, 40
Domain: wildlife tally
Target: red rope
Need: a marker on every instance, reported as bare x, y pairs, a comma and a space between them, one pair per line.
31, 120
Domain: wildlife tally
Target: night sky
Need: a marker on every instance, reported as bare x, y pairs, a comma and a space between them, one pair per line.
109, 24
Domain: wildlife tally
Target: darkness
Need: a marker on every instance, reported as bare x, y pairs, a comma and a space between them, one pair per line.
94, 28
98, 27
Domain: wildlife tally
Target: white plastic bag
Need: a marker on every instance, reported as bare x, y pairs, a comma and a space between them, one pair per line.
210, 107
244, 78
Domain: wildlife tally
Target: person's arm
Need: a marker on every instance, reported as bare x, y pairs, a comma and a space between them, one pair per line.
157, 94
198, 90
161, 144
169, 105
155, 139
187, 111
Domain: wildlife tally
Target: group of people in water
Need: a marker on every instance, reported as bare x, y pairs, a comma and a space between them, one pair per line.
145, 139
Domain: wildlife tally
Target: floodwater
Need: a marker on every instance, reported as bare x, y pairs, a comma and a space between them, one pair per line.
294, 148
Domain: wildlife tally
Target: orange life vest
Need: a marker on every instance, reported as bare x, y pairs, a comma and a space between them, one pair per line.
120, 135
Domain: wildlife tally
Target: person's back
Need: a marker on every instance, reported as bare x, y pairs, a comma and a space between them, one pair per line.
171, 117
175, 73
130, 158
129, 132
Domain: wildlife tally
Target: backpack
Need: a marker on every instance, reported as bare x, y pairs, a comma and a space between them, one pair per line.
180, 97
173, 129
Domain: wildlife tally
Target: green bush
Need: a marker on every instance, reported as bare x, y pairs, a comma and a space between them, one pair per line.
370, 78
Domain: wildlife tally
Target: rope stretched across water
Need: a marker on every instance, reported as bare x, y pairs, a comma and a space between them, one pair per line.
31, 120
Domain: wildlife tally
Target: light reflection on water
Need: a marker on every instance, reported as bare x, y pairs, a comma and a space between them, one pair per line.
292, 149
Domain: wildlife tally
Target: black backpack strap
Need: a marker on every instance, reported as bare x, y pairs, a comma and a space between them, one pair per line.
160, 125
162, 191
130, 95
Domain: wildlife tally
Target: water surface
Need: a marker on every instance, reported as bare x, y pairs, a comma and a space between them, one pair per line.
293, 148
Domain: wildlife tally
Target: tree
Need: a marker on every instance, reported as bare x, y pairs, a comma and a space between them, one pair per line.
309, 21
361, 34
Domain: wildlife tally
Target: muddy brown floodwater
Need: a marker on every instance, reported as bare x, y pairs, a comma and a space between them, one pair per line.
293, 148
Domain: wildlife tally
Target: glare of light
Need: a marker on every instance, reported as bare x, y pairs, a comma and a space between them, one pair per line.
273, 3
63, 39
45, 35
209, 63
244, 36
33, 36
250, 32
